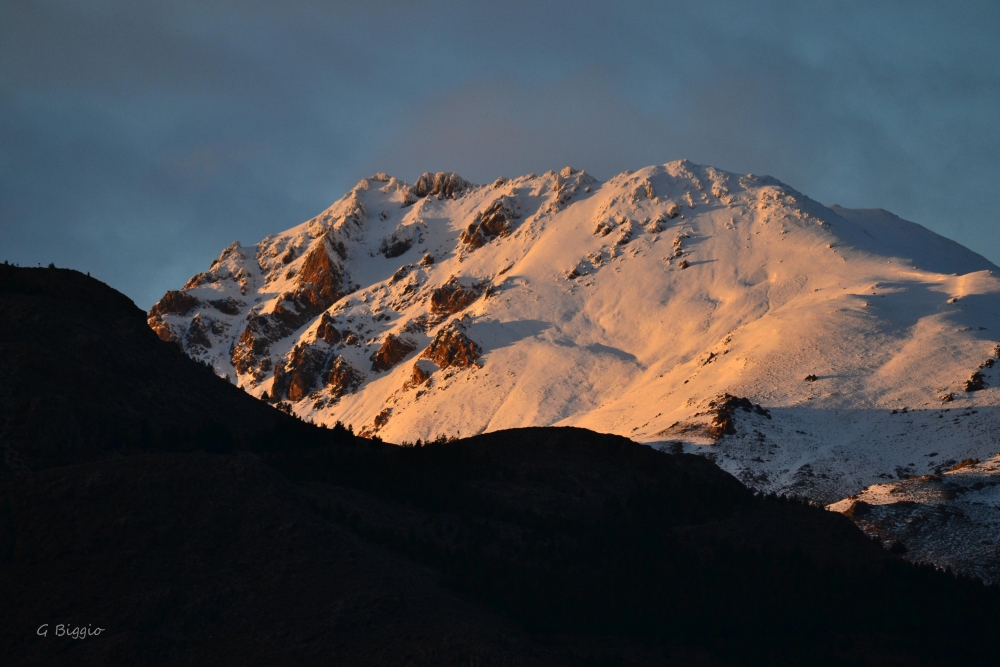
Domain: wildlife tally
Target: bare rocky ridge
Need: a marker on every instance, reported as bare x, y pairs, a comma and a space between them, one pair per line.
393, 350
454, 297
495, 220
443, 185
452, 347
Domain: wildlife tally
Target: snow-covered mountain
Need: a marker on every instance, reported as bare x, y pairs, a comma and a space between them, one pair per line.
807, 349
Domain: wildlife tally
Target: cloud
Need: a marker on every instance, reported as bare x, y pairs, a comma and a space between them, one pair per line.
140, 139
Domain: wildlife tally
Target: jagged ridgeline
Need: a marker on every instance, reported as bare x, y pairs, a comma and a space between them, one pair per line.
627, 306
397, 292
289, 319
664, 305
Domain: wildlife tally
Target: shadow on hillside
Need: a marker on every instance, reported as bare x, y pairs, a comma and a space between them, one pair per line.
903, 304
828, 453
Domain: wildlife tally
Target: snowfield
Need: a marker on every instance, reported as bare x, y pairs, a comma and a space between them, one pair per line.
630, 306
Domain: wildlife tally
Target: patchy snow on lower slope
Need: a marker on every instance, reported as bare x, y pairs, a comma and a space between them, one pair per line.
628, 306
950, 517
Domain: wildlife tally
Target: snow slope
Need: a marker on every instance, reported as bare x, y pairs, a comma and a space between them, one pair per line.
625, 306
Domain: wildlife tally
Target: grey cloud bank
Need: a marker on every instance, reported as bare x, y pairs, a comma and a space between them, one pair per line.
139, 141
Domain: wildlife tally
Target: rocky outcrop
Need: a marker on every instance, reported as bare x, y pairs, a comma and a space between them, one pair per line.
321, 281
656, 225
228, 306
321, 284
251, 352
393, 350
400, 240
492, 222
453, 296
443, 185
975, 383
604, 227
566, 185
392, 246
626, 230
342, 378
717, 421
722, 409
327, 331
299, 374
197, 339
174, 302
381, 419
453, 347
422, 371
163, 331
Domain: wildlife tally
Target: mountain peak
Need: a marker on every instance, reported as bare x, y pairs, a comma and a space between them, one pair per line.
625, 306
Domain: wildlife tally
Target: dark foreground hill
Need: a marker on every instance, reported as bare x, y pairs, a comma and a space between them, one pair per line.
195, 525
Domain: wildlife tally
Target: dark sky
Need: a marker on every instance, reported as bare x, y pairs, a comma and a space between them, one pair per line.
137, 139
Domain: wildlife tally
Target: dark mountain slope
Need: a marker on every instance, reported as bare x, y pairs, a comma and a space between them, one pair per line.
573, 533
82, 377
298, 545
194, 559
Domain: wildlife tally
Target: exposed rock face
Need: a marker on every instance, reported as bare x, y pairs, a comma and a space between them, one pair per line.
342, 378
625, 234
197, 333
422, 371
392, 351
394, 247
722, 408
227, 306
443, 185
454, 296
299, 374
322, 281
381, 419
490, 223
251, 351
604, 227
452, 347
321, 284
656, 225
566, 185
163, 330
975, 383
174, 302
400, 240
327, 331
400, 273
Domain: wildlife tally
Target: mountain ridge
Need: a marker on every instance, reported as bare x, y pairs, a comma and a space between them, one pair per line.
628, 306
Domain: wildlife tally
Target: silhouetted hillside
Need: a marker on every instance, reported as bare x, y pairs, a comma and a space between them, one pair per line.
196, 525
82, 377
